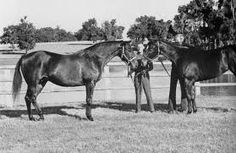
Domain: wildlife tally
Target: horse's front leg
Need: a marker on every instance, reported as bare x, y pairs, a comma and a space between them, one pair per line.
184, 100
172, 91
89, 99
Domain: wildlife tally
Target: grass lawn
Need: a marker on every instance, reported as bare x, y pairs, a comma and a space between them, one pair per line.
118, 129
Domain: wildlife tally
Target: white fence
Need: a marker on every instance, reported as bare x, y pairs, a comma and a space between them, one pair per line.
114, 86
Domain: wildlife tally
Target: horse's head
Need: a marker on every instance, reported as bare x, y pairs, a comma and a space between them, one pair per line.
153, 48
167, 49
126, 53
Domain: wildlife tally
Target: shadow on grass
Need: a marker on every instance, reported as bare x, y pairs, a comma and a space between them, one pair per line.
161, 107
126, 107
46, 111
217, 109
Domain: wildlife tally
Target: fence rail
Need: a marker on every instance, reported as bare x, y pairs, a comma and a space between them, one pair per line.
106, 88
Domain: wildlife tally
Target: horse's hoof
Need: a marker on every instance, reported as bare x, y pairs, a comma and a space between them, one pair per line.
152, 110
195, 111
189, 112
90, 118
32, 118
41, 118
137, 111
181, 109
176, 112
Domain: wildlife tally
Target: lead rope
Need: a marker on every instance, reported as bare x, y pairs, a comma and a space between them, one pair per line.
165, 68
123, 55
158, 49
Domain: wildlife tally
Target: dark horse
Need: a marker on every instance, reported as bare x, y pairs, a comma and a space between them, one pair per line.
194, 64
83, 68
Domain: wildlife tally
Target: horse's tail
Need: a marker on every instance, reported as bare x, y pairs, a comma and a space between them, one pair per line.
17, 80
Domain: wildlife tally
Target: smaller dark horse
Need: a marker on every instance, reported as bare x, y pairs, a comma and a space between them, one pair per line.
83, 68
195, 64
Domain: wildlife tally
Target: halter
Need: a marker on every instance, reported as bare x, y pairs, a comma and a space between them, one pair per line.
158, 53
128, 61
126, 58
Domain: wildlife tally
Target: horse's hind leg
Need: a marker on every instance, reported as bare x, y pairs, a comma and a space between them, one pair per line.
89, 99
193, 99
172, 91
183, 95
188, 88
31, 97
28, 100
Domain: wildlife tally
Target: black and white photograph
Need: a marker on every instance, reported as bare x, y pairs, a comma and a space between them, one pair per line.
117, 76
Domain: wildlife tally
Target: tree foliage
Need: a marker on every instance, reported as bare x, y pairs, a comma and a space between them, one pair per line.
91, 31
148, 26
10, 35
48, 34
207, 23
22, 34
111, 31
26, 35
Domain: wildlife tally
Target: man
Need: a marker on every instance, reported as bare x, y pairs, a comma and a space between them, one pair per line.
142, 79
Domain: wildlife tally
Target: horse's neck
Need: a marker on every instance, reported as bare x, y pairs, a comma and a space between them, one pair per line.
171, 53
106, 55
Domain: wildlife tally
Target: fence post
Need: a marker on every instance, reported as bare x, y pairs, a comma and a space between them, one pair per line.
197, 89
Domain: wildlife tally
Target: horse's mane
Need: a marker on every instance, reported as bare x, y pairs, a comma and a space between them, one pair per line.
185, 49
91, 49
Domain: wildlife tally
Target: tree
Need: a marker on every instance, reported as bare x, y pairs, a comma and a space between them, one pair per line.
26, 35
22, 34
90, 31
201, 22
48, 34
111, 31
9, 36
148, 26
63, 35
